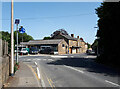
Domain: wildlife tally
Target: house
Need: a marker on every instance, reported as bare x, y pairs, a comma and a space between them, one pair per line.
58, 45
75, 45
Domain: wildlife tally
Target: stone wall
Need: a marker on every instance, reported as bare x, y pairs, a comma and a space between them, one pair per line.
4, 62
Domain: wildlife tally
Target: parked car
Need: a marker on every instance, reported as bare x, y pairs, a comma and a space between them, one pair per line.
23, 51
34, 50
45, 51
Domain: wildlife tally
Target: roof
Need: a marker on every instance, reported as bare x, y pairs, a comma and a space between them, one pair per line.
69, 37
32, 42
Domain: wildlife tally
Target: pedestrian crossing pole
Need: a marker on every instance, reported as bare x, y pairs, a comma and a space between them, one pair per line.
12, 42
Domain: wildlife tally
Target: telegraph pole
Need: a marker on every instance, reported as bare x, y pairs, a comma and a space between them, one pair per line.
12, 42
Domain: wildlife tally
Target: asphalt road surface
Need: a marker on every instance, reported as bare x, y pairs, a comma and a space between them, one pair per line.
78, 70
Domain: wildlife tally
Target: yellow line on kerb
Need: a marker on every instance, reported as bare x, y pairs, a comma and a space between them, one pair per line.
33, 71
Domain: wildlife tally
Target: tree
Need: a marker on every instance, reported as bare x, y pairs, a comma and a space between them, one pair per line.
108, 32
89, 46
47, 38
23, 36
7, 36
60, 31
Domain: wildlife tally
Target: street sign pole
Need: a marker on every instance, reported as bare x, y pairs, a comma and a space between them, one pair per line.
17, 22
17, 46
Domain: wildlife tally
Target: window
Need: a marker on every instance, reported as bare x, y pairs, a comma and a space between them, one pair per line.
63, 45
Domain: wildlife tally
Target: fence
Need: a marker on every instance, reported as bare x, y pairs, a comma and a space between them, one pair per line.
4, 62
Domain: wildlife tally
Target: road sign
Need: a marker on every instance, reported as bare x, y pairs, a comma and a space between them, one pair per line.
22, 30
17, 21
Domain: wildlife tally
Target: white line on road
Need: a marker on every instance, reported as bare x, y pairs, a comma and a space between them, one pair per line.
28, 59
112, 83
72, 56
50, 60
38, 73
74, 69
36, 63
59, 56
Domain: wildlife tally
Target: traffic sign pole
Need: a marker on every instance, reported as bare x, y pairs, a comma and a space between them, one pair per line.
17, 21
17, 46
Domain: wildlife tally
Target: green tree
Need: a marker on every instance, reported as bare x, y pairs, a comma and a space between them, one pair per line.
7, 36
47, 38
23, 36
108, 32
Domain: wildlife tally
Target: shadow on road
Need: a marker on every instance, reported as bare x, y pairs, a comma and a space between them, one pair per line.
87, 63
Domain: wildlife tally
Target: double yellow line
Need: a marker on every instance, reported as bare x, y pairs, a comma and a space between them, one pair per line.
33, 71
48, 79
51, 83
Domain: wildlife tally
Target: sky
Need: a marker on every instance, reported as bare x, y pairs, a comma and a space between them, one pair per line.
41, 19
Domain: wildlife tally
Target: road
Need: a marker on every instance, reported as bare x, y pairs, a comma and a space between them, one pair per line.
77, 70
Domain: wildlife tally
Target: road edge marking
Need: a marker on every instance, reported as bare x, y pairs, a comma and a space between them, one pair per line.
112, 83
74, 69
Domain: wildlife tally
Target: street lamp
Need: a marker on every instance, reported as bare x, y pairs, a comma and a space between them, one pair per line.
12, 42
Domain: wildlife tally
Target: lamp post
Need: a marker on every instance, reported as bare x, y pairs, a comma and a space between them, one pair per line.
12, 42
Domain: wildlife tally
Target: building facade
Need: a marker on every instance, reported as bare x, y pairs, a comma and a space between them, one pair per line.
75, 45
59, 46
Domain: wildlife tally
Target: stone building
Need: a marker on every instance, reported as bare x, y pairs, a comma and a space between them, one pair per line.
75, 45
58, 45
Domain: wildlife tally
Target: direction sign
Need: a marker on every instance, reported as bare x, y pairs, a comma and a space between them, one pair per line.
22, 30
17, 21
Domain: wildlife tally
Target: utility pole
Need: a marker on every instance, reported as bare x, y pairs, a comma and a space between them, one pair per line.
12, 42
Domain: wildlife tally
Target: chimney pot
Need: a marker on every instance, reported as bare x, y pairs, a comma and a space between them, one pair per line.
72, 35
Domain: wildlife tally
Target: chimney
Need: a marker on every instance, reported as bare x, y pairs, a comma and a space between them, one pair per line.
72, 35
78, 37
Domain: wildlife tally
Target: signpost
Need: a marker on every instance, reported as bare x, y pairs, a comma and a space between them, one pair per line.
22, 30
17, 21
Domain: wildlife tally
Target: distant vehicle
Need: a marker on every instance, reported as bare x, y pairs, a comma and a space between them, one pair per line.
90, 52
23, 51
34, 50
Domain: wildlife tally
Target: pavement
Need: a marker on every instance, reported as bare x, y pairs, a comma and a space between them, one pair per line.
24, 77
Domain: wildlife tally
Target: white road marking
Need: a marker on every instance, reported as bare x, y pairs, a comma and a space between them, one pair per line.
72, 56
74, 69
44, 59
112, 83
38, 59
59, 56
38, 73
36, 63
50, 60
28, 59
